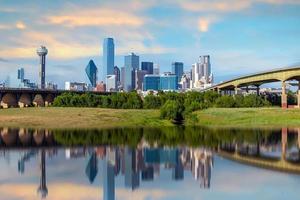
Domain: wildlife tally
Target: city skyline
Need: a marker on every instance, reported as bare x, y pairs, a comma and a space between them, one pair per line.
238, 35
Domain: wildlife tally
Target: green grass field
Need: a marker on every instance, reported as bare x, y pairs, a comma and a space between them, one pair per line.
63, 118
54, 117
249, 117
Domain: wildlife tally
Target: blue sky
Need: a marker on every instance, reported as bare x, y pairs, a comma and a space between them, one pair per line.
242, 36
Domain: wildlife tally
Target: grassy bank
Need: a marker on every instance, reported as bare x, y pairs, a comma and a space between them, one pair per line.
53, 117
249, 117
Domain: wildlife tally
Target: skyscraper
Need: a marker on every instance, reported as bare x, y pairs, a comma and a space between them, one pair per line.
42, 52
201, 73
108, 57
147, 66
91, 72
21, 74
117, 72
177, 69
131, 63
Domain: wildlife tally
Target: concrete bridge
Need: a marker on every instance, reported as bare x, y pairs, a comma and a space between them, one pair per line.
257, 79
23, 97
282, 163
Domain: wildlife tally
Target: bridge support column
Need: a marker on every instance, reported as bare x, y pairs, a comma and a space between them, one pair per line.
298, 95
284, 96
284, 134
235, 90
257, 90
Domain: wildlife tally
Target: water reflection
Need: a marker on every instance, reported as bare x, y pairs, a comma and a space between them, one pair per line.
131, 158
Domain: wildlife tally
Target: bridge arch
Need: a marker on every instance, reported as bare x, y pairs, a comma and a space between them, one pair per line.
9, 100
25, 100
49, 99
38, 100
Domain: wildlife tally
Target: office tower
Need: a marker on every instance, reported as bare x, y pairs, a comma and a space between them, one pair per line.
108, 180
168, 81
108, 57
177, 69
21, 74
201, 73
117, 72
151, 82
42, 189
91, 72
131, 63
156, 69
111, 83
147, 66
42, 52
122, 77
185, 82
139, 79
91, 169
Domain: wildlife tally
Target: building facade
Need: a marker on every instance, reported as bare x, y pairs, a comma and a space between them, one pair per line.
139, 79
131, 63
177, 69
75, 86
168, 81
151, 82
108, 57
111, 83
147, 66
202, 76
91, 72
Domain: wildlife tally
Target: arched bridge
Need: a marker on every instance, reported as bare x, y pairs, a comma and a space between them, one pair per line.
25, 97
257, 79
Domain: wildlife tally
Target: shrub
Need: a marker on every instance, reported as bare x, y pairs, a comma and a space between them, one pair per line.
172, 110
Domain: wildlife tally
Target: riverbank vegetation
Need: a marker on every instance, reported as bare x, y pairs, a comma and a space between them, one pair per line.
173, 106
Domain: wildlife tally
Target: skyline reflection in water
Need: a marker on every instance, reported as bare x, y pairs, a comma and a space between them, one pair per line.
44, 166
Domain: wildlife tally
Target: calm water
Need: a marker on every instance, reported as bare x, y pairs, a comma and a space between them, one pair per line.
170, 163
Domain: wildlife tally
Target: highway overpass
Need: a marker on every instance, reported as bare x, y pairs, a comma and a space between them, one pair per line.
257, 79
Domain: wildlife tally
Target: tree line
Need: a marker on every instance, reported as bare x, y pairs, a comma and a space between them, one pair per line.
174, 106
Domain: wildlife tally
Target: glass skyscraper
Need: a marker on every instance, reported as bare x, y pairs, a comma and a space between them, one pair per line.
108, 57
91, 72
177, 69
151, 82
168, 82
147, 66
131, 63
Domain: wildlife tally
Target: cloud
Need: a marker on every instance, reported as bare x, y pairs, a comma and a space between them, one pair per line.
205, 22
223, 6
20, 25
3, 60
215, 6
96, 17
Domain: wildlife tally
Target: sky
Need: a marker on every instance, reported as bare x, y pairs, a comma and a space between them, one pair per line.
241, 36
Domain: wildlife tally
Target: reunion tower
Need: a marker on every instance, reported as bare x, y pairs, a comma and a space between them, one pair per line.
42, 52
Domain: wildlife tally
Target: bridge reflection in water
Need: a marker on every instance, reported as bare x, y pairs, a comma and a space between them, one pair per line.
141, 158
